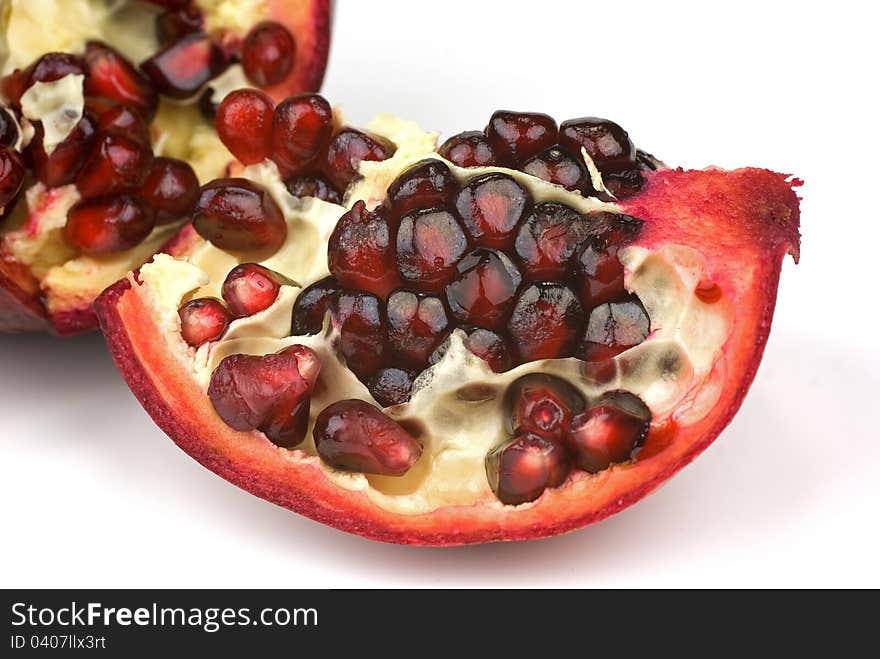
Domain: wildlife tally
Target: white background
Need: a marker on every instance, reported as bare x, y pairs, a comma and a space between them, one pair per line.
93, 494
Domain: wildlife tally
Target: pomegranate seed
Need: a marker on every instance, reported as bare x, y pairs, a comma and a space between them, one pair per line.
359, 317
180, 69
624, 184
484, 289
115, 164
301, 126
110, 75
542, 404
427, 184
107, 225
313, 186
361, 251
113, 118
548, 239
8, 128
558, 167
236, 214
63, 165
48, 68
244, 125
520, 470
600, 273
483, 343
545, 322
203, 319
352, 435
517, 136
347, 150
609, 432
269, 393
491, 207
614, 327
250, 288
606, 143
171, 189
417, 324
175, 24
267, 54
391, 386
11, 175
469, 149
429, 244
311, 305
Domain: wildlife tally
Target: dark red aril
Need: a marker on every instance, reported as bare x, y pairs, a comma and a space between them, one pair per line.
607, 144
12, 171
469, 149
171, 189
484, 288
429, 244
115, 164
114, 118
361, 251
608, 432
556, 166
311, 305
313, 186
110, 75
391, 386
548, 239
599, 272
427, 184
250, 288
491, 207
542, 404
352, 435
614, 327
343, 156
238, 215
417, 324
9, 132
182, 68
203, 319
244, 124
483, 343
48, 68
175, 24
64, 163
545, 323
108, 224
624, 184
267, 54
301, 127
521, 469
360, 320
517, 136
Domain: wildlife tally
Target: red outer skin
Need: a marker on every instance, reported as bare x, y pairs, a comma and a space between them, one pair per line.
744, 222
309, 21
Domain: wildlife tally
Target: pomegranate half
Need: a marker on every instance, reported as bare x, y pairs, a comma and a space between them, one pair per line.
512, 337
107, 130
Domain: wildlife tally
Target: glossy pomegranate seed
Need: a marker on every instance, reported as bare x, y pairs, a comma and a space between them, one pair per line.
238, 215
352, 435
606, 143
115, 164
62, 166
8, 128
556, 166
614, 327
108, 225
347, 150
417, 324
491, 207
113, 118
517, 136
600, 274
12, 172
171, 189
203, 319
545, 322
110, 75
520, 470
429, 244
391, 386
548, 239
244, 125
609, 432
311, 305
624, 184
427, 184
361, 251
313, 186
250, 288
270, 393
469, 149
267, 54
301, 126
360, 320
180, 69
175, 24
483, 343
542, 404
484, 288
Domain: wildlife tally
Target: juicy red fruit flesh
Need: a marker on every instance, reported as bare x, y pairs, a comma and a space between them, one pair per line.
203, 319
63, 164
491, 207
343, 155
517, 136
484, 289
417, 324
600, 274
115, 164
114, 118
391, 386
545, 322
111, 76
171, 189
548, 239
608, 432
268, 54
424, 185
313, 186
429, 244
483, 343
311, 306
542, 404
520, 470
250, 288
244, 125
181, 69
302, 125
360, 319
107, 225
469, 149
614, 327
556, 166
607, 144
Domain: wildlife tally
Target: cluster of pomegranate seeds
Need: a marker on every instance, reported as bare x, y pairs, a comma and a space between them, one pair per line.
531, 142
315, 157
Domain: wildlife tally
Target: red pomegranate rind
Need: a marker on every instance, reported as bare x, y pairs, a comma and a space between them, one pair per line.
744, 222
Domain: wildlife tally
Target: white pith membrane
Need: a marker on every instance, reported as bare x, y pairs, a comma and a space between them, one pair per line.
31, 28
677, 371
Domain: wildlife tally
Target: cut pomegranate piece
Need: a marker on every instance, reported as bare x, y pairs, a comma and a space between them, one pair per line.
609, 431
269, 393
182, 68
313, 186
115, 164
64, 163
361, 251
391, 386
427, 184
107, 225
311, 305
614, 327
429, 244
491, 207
542, 404
517, 136
175, 24
606, 143
548, 239
267, 54
301, 126
244, 124
203, 319
343, 156
359, 318
238, 215
483, 343
11, 175
9, 133
250, 288
556, 166
484, 289
520, 470
600, 273
417, 324
110, 75
352, 435
171, 189
469, 149
545, 322
113, 118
